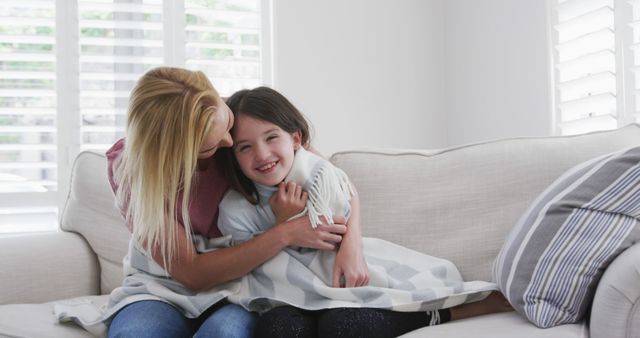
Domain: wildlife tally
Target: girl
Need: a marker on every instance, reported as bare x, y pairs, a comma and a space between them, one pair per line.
270, 135
168, 186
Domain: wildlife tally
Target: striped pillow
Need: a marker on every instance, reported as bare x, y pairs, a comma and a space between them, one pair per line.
552, 260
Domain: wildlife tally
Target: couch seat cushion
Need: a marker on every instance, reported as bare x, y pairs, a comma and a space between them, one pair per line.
499, 325
38, 321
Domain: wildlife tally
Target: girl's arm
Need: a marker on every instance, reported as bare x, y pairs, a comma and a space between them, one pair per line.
200, 272
350, 261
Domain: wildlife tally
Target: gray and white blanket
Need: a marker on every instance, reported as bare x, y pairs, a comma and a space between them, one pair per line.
400, 279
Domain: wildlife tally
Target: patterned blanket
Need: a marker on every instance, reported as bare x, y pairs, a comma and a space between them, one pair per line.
400, 279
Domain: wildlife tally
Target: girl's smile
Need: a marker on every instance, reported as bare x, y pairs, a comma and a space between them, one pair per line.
267, 168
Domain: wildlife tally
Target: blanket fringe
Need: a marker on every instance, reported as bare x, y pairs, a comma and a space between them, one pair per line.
328, 182
434, 317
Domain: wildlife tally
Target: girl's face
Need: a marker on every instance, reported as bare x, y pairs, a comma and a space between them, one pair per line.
218, 136
264, 151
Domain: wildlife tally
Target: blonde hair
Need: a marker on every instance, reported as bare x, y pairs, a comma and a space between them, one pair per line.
168, 119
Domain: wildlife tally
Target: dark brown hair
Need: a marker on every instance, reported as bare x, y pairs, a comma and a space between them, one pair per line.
268, 105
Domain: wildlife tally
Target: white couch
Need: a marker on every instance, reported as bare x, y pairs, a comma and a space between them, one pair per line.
457, 203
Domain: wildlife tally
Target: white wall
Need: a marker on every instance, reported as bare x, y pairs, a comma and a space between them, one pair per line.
366, 72
497, 69
414, 73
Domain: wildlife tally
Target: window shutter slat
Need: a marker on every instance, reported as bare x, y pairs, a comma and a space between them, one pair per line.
110, 7
128, 59
604, 82
603, 61
586, 23
30, 39
27, 57
27, 146
34, 4
27, 75
27, 111
590, 43
20, 165
121, 42
595, 105
606, 122
570, 9
27, 21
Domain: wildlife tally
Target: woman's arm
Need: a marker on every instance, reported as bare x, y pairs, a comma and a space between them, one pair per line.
200, 272
350, 261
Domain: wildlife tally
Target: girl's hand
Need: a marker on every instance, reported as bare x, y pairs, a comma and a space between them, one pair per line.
288, 201
298, 232
350, 264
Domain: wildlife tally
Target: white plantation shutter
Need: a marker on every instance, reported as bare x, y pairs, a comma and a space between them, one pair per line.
28, 147
633, 51
66, 70
591, 57
119, 41
223, 40
586, 68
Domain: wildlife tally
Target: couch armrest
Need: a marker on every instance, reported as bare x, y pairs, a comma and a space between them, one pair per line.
615, 312
39, 268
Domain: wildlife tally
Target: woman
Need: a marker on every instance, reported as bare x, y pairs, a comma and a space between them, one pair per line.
168, 188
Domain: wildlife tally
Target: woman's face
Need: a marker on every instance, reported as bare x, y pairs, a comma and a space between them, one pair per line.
218, 136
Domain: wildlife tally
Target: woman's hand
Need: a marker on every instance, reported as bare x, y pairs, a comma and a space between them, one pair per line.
298, 232
350, 264
288, 201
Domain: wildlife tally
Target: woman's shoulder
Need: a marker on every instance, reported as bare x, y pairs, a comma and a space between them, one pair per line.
113, 157
115, 151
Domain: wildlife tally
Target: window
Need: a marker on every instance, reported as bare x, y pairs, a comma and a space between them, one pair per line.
66, 69
597, 64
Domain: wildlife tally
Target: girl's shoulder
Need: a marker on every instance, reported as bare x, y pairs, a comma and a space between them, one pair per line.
236, 214
233, 201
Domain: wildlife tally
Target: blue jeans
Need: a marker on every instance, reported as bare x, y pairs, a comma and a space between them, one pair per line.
151, 318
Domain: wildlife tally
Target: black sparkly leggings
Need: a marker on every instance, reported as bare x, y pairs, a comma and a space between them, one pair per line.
288, 321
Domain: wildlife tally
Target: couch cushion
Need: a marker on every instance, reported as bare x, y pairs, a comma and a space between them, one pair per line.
90, 211
615, 312
500, 325
47, 266
460, 203
551, 262
37, 320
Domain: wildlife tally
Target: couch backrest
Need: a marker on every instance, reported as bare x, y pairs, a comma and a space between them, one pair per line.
456, 203
460, 203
